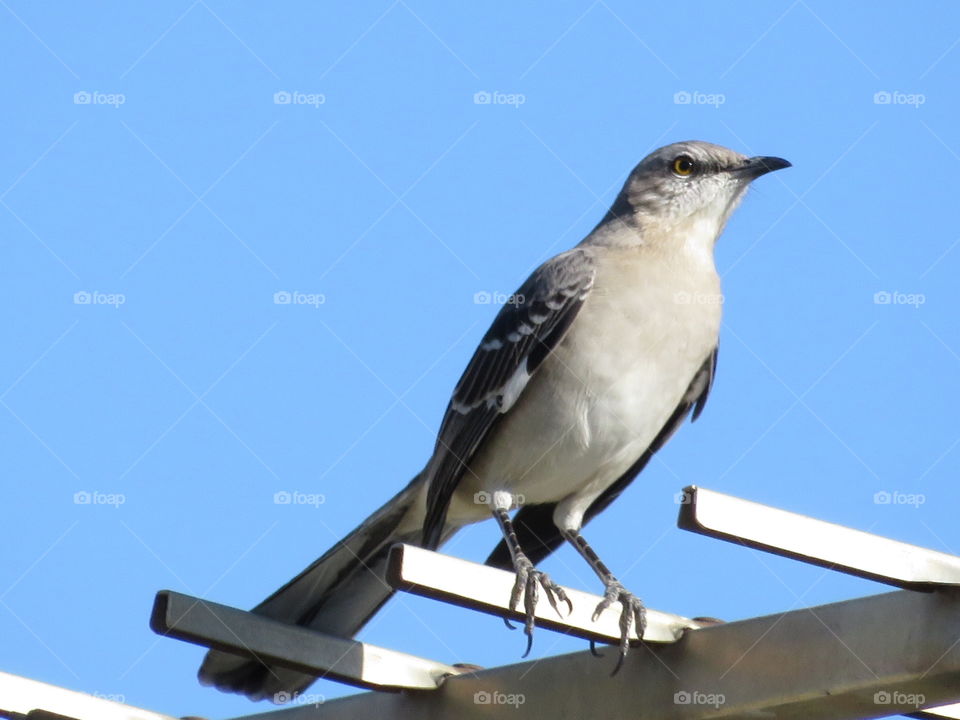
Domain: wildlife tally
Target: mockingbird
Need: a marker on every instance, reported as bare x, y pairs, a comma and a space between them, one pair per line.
603, 354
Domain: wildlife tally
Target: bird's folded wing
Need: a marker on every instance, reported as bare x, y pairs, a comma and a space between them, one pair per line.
526, 329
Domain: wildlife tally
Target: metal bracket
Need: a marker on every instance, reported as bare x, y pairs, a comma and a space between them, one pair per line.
869, 657
243, 633
816, 542
854, 659
480, 587
21, 697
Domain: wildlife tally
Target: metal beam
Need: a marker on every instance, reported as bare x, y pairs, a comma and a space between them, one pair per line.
355, 663
943, 712
21, 697
479, 587
870, 657
816, 542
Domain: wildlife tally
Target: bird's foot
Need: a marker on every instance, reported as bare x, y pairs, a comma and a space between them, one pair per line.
527, 585
633, 615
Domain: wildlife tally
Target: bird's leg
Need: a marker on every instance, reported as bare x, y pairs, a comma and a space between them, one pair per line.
633, 614
529, 579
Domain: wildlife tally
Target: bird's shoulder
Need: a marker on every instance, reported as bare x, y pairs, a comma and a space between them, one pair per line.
526, 329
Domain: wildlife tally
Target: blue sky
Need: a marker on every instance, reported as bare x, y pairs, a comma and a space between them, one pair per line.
157, 193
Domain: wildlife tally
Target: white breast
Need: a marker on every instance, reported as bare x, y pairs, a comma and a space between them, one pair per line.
635, 354
605, 392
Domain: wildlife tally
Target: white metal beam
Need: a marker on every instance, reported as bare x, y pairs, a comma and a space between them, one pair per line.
487, 589
22, 696
815, 541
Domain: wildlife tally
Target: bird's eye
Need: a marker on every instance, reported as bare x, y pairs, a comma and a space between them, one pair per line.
683, 166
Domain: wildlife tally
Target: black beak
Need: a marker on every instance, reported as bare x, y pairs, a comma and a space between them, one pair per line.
761, 165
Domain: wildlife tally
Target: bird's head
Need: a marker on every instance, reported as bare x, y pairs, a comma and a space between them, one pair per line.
689, 182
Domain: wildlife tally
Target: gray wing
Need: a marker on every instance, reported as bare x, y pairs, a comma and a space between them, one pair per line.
536, 532
521, 336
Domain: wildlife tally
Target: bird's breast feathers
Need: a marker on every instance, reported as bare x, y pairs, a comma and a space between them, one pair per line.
640, 347
644, 331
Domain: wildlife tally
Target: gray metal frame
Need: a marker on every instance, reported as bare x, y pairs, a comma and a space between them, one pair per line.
863, 658
871, 657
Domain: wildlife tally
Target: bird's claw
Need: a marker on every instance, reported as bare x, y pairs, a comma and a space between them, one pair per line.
528, 582
633, 615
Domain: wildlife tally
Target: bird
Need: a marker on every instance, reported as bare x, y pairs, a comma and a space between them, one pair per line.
593, 364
